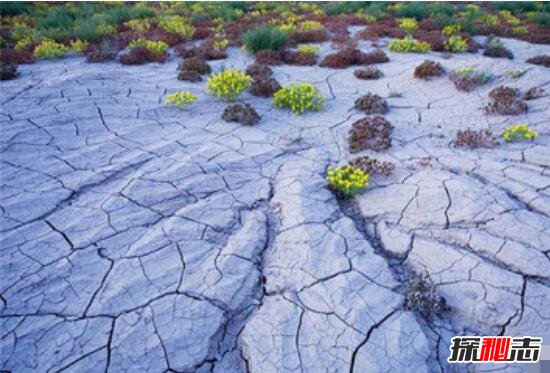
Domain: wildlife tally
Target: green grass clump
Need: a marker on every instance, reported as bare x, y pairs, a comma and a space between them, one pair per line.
299, 97
347, 180
519, 132
180, 99
456, 44
49, 49
408, 45
264, 37
228, 84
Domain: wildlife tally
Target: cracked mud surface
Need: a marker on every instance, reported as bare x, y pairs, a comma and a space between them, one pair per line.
137, 237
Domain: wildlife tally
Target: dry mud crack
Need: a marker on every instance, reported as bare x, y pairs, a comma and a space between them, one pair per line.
140, 237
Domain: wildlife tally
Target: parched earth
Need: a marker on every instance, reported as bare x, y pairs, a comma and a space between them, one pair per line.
137, 237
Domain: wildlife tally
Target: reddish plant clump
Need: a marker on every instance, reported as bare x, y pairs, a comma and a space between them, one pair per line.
268, 57
371, 104
341, 59
264, 87
371, 58
8, 71
140, 55
506, 101
197, 64
205, 50
370, 133
533, 93
428, 69
498, 52
244, 114
370, 73
100, 52
371, 165
297, 58
474, 139
542, 60
312, 36
434, 38
170, 38
17, 57
257, 71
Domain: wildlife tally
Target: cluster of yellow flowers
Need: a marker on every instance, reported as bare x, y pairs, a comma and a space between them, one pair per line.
179, 25
299, 97
156, 47
408, 24
228, 84
309, 49
139, 25
519, 132
408, 44
311, 26
79, 45
180, 99
347, 180
49, 49
451, 30
456, 44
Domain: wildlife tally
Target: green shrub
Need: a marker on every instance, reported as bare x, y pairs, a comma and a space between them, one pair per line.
516, 72
139, 25
344, 7
519, 132
415, 9
228, 84
56, 17
408, 24
56, 34
347, 180
264, 37
79, 45
49, 49
156, 47
180, 99
180, 25
86, 30
299, 97
542, 18
456, 44
13, 8
408, 45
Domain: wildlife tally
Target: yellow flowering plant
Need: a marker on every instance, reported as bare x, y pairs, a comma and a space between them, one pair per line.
408, 24
79, 45
156, 47
180, 99
408, 44
519, 132
311, 26
299, 97
347, 180
49, 49
179, 25
456, 44
228, 84
309, 49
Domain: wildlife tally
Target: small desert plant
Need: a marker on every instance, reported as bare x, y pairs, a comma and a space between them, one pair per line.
244, 114
264, 87
495, 48
408, 24
268, 57
428, 69
341, 59
371, 104
264, 37
100, 53
49, 49
533, 93
408, 45
467, 78
543, 60
506, 101
155, 47
370, 58
259, 71
371, 165
370, 133
299, 97
516, 72
180, 99
474, 139
421, 296
368, 73
139, 25
228, 84
308, 49
519, 132
311, 26
197, 64
450, 30
8, 71
347, 180
177, 24
79, 46
456, 44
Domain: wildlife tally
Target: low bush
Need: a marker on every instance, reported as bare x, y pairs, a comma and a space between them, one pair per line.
408, 45
177, 24
474, 139
197, 64
299, 97
310, 26
495, 48
12, 56
243, 114
206, 50
268, 57
519, 132
533, 93
180, 99
373, 166
506, 101
346, 181
311, 36
257, 71
372, 133
299, 58
371, 58
264, 87
371, 104
263, 38
516, 72
543, 60
341, 59
408, 24
435, 39
428, 69
368, 73
8, 71
467, 78
155, 47
308, 49
421, 296
100, 53
228, 84
49, 49
456, 44
141, 55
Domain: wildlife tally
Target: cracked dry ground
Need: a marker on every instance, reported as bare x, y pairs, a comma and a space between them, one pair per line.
137, 237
